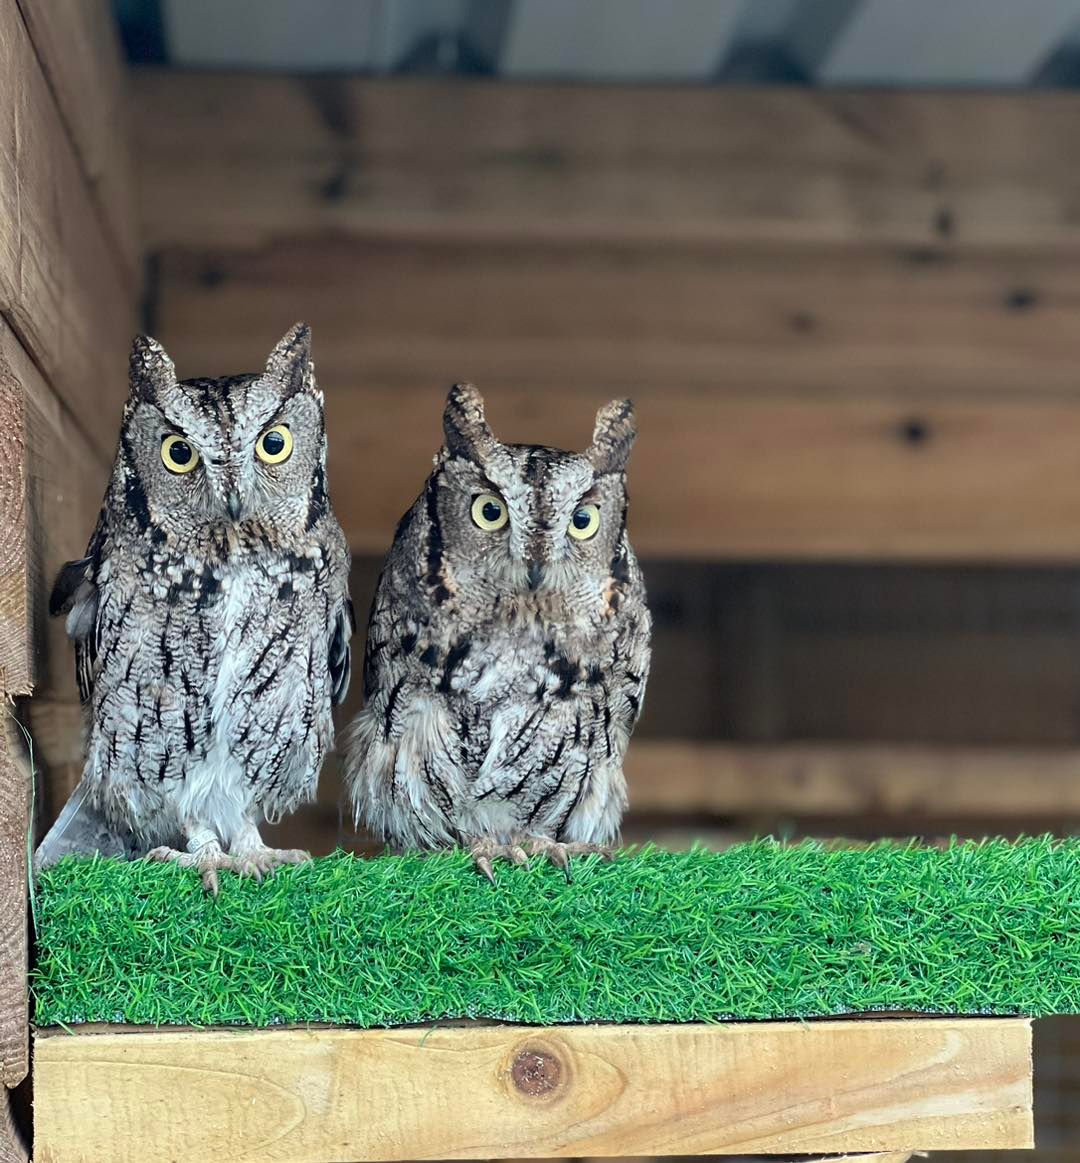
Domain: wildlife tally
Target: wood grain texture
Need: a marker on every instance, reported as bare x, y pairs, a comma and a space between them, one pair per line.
62, 286
849, 321
13, 1148
15, 799
808, 779
16, 651
245, 160
846, 404
51, 483
488, 1092
77, 44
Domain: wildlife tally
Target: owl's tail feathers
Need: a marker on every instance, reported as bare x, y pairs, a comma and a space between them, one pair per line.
81, 830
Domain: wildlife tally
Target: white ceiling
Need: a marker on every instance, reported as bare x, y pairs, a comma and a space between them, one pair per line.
875, 42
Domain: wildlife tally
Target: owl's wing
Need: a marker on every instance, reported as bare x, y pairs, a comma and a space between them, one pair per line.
340, 654
76, 595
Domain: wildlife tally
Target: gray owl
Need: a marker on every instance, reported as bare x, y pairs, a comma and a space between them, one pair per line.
211, 615
507, 651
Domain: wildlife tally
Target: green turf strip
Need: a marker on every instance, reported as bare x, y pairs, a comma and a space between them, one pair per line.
763, 930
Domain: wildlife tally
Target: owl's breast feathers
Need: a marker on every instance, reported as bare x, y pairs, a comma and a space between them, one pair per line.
233, 648
507, 726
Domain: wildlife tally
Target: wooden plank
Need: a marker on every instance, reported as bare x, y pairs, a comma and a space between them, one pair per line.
246, 160
12, 1147
849, 321
618, 40
846, 404
498, 1091
16, 652
808, 779
15, 799
77, 44
46, 469
52, 482
61, 283
925, 42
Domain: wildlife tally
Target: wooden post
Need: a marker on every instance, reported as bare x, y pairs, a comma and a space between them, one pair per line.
480, 1092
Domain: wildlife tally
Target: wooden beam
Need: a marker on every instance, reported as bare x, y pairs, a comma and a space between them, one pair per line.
618, 40
501, 1091
16, 651
78, 46
925, 42
246, 160
47, 478
12, 1147
62, 286
826, 779
15, 799
845, 403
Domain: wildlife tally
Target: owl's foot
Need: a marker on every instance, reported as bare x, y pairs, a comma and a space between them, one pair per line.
483, 852
207, 861
260, 860
559, 853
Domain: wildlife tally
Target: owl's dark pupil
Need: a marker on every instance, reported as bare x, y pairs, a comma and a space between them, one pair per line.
491, 511
273, 443
180, 452
582, 518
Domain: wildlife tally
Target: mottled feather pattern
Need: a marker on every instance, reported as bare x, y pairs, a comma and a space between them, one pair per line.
211, 617
505, 669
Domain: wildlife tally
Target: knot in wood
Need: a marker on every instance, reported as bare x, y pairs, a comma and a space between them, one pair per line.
536, 1071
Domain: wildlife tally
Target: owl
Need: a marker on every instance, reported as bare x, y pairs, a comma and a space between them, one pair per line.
211, 616
507, 650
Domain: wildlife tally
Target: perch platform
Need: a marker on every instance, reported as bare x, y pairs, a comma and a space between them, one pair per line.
403, 1008
483, 1092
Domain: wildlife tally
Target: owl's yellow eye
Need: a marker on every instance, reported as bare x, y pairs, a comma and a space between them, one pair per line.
178, 455
489, 512
584, 523
275, 445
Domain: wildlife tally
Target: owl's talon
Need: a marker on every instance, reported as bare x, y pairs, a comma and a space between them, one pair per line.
258, 860
206, 861
485, 852
484, 865
559, 853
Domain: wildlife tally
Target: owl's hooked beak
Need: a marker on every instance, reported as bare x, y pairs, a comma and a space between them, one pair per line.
235, 505
535, 574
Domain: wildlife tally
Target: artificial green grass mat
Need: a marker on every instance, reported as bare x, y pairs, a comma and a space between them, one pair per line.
764, 930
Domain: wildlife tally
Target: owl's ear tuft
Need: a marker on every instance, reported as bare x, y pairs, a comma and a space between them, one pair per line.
613, 436
149, 368
467, 432
290, 361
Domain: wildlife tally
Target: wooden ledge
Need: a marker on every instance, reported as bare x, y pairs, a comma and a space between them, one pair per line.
889, 1086
479, 1092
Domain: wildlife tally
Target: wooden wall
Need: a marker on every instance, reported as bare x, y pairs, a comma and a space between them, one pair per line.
70, 276
848, 320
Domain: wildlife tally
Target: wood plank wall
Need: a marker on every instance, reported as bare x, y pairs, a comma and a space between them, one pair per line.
70, 277
848, 319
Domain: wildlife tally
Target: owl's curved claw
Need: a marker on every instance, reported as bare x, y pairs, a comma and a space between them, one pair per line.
559, 853
482, 863
484, 852
261, 860
207, 861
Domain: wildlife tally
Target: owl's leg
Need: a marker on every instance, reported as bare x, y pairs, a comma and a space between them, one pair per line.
254, 858
204, 854
559, 853
484, 851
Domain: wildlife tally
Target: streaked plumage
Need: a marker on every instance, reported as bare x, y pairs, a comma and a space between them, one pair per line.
506, 663
210, 615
